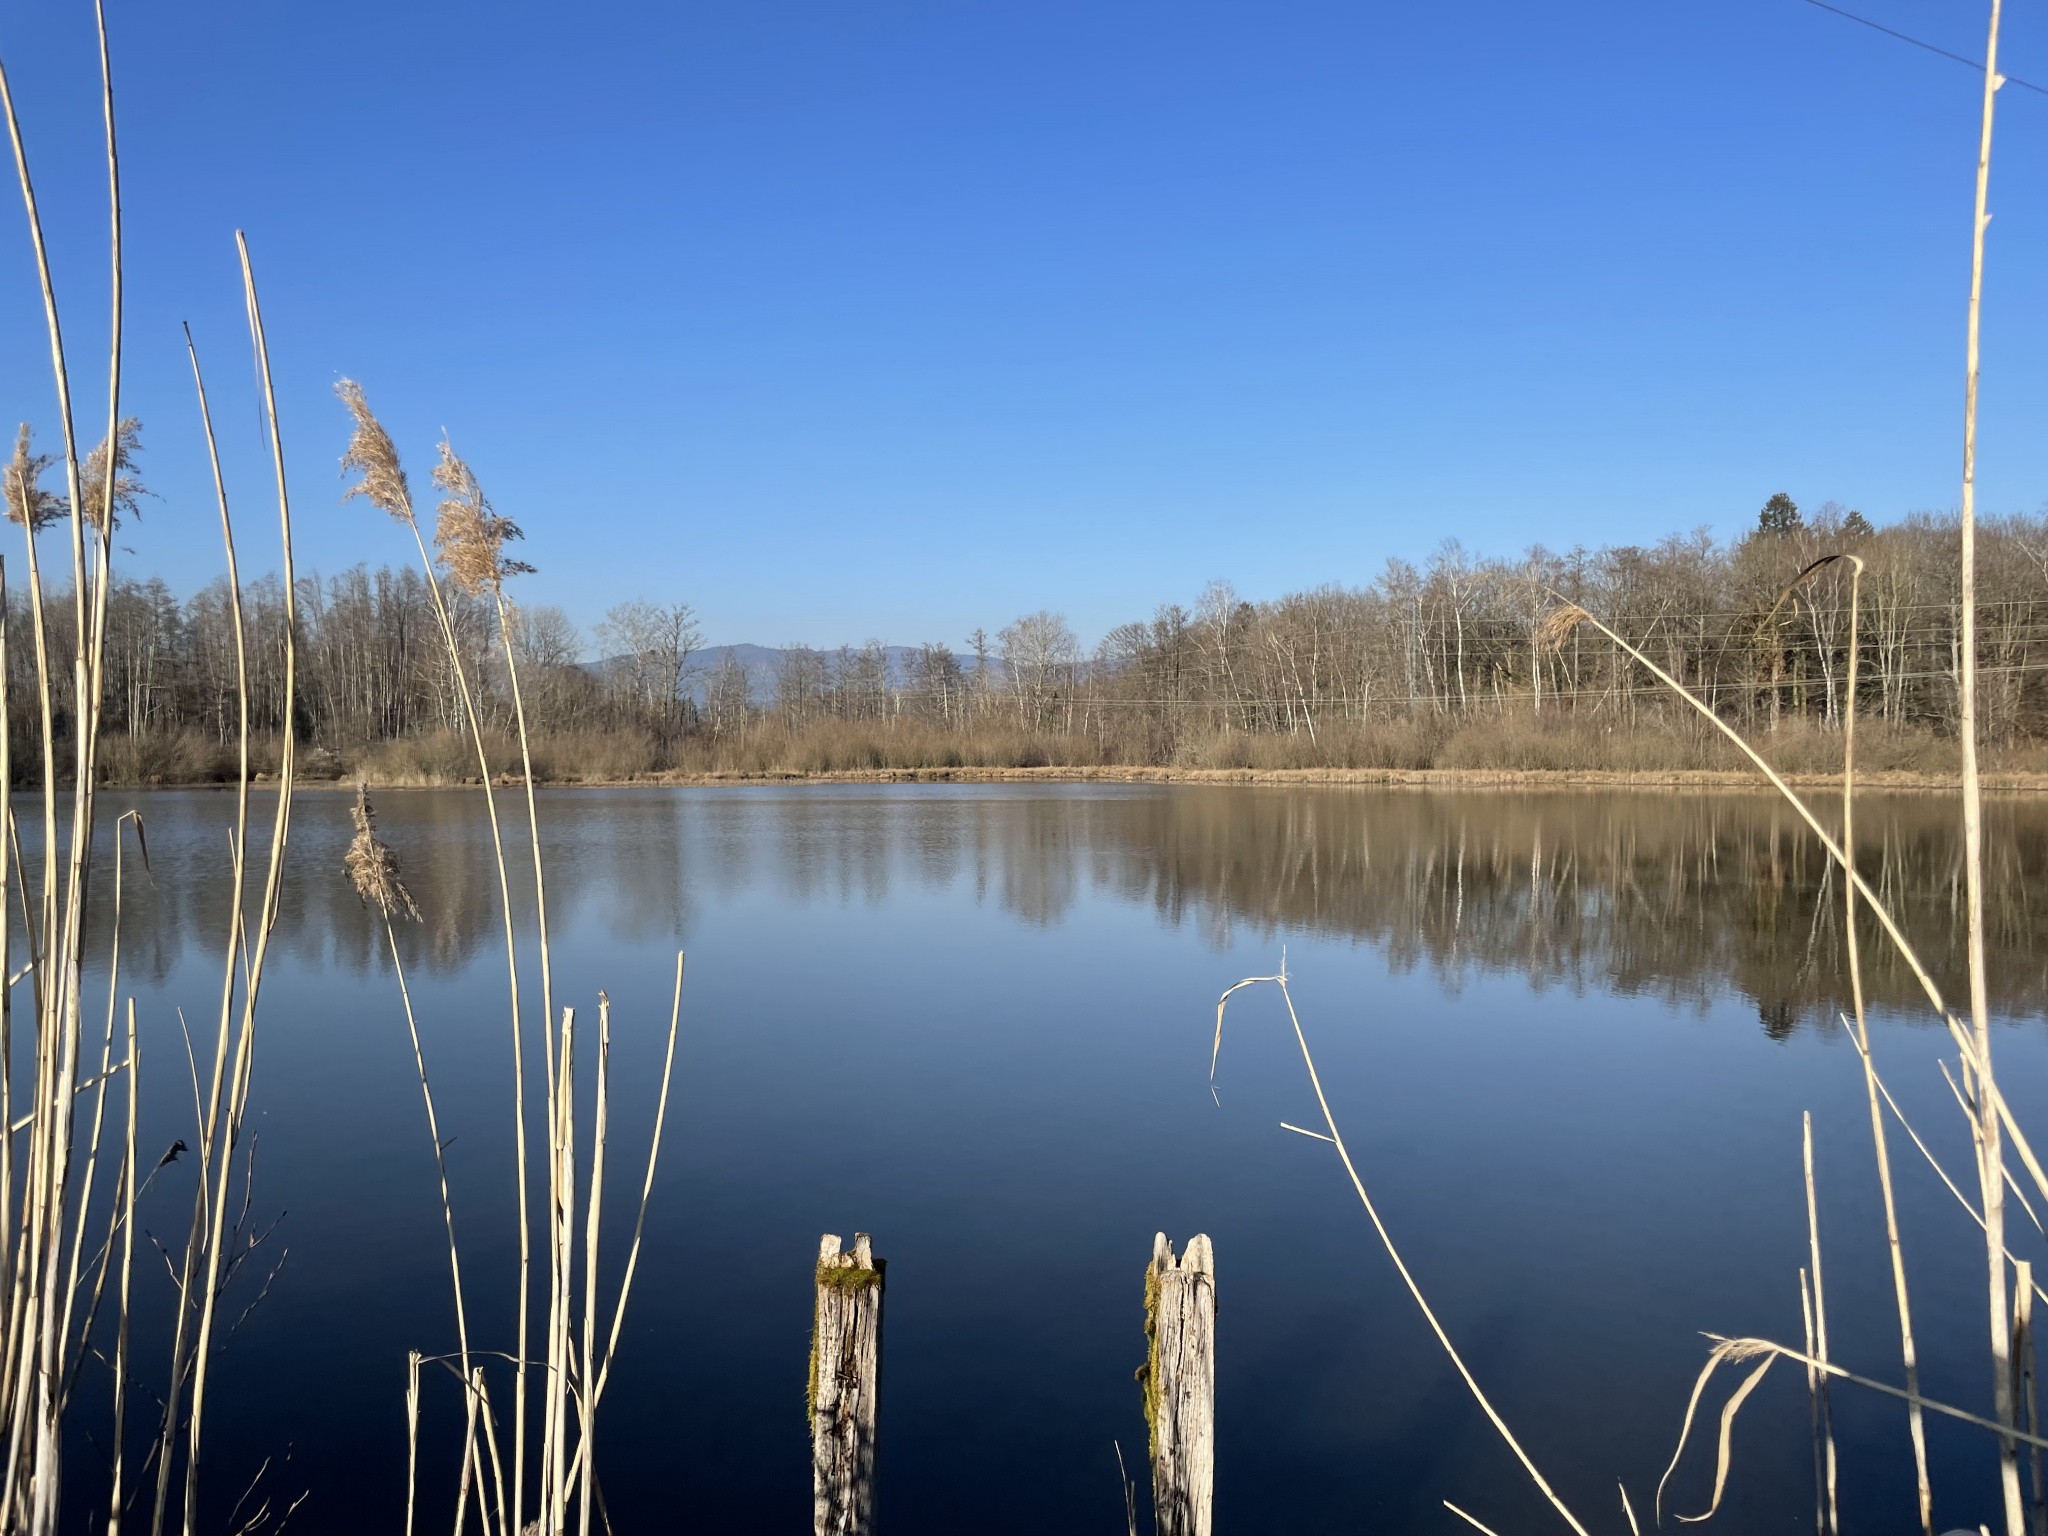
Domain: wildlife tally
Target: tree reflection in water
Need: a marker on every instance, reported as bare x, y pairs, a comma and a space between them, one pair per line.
1676, 896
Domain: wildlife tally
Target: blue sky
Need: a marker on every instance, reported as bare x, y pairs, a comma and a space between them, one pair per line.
895, 318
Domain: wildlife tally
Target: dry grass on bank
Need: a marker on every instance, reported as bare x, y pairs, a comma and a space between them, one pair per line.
1490, 749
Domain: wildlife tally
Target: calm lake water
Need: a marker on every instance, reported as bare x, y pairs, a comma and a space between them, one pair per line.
1568, 1035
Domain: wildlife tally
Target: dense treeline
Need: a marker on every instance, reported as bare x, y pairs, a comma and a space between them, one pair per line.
1458, 642
1383, 674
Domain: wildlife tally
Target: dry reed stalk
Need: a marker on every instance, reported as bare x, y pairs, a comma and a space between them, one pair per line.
1992, 1162
239, 839
498, 570
1569, 616
2024, 1386
561, 1184
1994, 1112
1336, 1139
62, 374
106, 1253
88, 659
1968, 1102
110, 481
595, 1385
480, 1388
223, 1130
586, 1439
6, 959
37, 1324
1814, 1380
233, 943
1726, 1349
1824, 1408
540, 879
1880, 1146
116, 1493
373, 868
472, 538
374, 457
668, 1062
1470, 1520
1123, 1476
1932, 1161
472, 1375
562, 1203
18, 1411
32, 508
469, 1460
412, 1437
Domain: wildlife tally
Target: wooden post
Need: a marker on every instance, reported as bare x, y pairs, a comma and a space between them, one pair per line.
1179, 1378
846, 1378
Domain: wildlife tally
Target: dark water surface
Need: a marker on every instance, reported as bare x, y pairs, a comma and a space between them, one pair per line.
1568, 1035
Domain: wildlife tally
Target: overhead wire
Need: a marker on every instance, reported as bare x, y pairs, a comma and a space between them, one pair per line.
1878, 26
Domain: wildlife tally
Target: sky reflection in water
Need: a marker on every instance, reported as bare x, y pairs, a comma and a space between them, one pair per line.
1569, 1036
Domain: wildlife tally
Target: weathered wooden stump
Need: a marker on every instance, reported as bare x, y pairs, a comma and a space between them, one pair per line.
1179, 1378
846, 1378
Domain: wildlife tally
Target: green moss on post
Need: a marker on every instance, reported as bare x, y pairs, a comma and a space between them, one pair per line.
1147, 1375
851, 1277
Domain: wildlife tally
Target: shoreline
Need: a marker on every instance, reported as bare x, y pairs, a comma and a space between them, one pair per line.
1731, 780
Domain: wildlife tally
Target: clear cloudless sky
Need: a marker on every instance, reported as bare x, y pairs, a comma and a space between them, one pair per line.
895, 317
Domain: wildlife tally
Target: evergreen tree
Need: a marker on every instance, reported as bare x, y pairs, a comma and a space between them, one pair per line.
1780, 515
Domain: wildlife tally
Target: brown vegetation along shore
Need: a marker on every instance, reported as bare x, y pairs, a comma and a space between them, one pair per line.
1394, 778
1507, 749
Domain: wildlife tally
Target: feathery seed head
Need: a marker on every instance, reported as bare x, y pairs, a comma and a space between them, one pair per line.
1552, 633
28, 504
127, 490
372, 866
372, 455
469, 537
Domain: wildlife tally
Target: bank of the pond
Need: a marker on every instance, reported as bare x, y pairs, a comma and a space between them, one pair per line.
1381, 778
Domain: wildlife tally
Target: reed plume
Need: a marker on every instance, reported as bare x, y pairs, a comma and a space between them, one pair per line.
28, 504
1559, 624
469, 537
106, 504
372, 865
373, 455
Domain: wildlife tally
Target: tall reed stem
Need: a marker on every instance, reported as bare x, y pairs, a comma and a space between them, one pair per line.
229, 1127
1880, 1145
1992, 1162
1335, 1138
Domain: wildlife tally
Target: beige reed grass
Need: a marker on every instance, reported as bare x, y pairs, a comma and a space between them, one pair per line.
1827, 1512
1880, 1145
53, 1208
1335, 1138
373, 457
552, 1452
1992, 1122
1991, 1162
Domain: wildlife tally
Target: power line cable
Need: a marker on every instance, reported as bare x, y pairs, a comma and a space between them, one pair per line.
1878, 26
